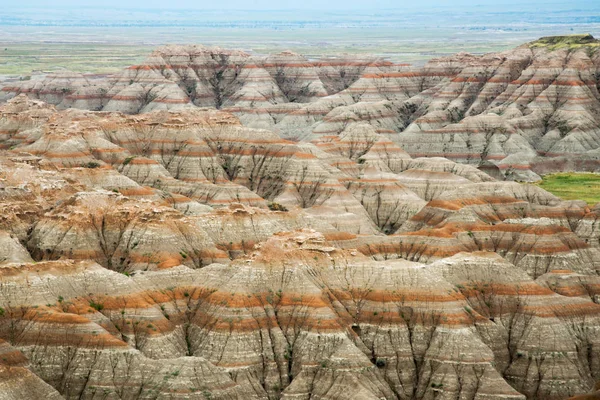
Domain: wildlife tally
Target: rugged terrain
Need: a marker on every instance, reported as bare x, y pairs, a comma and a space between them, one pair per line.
510, 111
162, 237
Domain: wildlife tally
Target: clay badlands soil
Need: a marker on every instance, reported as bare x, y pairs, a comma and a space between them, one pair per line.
216, 225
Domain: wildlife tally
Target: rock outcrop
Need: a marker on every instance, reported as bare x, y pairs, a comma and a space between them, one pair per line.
162, 238
513, 110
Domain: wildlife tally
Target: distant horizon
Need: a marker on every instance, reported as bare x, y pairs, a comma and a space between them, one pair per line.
306, 5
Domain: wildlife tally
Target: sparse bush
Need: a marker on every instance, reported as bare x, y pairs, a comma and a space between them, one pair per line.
277, 207
96, 306
92, 164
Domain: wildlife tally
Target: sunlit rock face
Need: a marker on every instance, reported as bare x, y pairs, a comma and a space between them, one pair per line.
178, 245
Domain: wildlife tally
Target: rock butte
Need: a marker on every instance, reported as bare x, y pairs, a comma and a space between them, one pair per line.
217, 225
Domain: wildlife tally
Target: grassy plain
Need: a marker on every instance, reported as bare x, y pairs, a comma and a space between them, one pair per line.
24, 49
573, 186
104, 39
24, 58
108, 53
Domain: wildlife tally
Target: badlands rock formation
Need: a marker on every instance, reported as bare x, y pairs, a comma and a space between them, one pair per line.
183, 247
522, 112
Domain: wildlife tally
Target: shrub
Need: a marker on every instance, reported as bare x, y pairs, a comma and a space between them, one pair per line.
96, 306
92, 164
277, 207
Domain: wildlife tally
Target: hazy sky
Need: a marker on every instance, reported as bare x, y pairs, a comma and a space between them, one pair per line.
372, 5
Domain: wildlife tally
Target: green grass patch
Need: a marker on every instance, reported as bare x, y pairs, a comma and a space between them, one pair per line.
573, 186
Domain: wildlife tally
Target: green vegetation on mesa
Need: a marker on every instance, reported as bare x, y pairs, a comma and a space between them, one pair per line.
573, 186
566, 42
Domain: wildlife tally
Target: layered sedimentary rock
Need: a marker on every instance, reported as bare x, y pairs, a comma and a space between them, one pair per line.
513, 109
18, 382
163, 248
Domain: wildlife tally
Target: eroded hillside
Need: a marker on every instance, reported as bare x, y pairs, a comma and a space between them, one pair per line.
526, 111
176, 244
